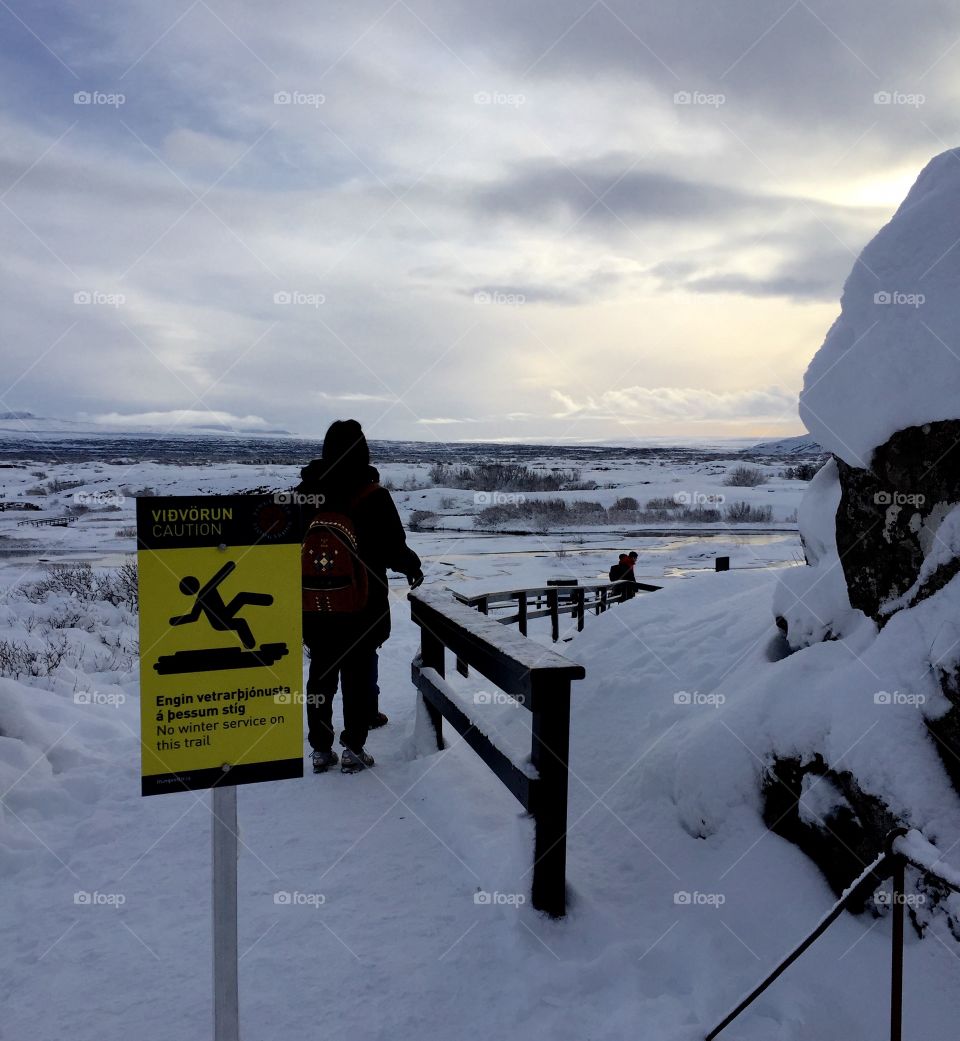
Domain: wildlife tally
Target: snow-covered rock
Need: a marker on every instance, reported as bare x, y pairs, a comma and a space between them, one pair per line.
811, 603
891, 360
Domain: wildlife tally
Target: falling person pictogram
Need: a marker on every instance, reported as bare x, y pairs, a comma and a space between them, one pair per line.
209, 604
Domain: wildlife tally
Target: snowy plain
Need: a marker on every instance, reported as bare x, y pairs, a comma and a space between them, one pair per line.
680, 898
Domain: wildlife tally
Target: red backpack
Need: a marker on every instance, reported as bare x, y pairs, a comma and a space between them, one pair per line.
334, 577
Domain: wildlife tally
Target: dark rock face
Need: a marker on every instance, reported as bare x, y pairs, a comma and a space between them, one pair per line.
845, 841
913, 480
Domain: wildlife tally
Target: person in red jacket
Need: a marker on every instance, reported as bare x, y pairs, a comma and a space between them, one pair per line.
343, 646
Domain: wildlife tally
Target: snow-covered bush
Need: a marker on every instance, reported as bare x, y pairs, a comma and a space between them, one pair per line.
744, 476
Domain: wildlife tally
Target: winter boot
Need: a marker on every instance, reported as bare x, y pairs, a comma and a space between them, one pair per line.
322, 761
352, 762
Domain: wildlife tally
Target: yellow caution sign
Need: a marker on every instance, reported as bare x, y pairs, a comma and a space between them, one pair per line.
221, 666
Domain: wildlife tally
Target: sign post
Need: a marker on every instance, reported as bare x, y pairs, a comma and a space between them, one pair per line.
220, 673
226, 990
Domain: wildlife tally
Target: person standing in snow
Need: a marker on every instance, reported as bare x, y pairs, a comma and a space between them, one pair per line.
632, 558
619, 570
351, 533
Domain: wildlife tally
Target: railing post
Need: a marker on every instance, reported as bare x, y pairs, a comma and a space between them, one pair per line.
432, 657
484, 606
522, 612
553, 603
603, 601
896, 952
581, 609
549, 755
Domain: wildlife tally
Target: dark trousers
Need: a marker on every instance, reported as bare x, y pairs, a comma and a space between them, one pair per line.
375, 699
356, 672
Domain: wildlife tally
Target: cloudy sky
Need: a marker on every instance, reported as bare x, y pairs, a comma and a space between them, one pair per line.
523, 219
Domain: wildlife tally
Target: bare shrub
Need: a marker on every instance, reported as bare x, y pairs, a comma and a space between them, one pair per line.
507, 477
743, 512
17, 659
744, 476
119, 587
422, 520
802, 471
57, 485
78, 581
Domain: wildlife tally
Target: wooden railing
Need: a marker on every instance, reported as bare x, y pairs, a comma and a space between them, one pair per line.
552, 601
538, 680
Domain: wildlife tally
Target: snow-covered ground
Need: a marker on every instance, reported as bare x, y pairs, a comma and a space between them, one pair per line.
679, 896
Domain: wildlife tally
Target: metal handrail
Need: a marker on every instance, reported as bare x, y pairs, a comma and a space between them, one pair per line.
892, 862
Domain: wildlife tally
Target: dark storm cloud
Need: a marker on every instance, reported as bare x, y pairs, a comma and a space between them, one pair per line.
812, 62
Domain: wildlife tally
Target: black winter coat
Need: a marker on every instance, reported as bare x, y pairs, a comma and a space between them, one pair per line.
381, 544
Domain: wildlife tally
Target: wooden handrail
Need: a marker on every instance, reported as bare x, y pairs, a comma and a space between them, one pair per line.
506, 595
567, 599
539, 680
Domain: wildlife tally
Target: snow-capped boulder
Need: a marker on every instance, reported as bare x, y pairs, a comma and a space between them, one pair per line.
883, 396
891, 360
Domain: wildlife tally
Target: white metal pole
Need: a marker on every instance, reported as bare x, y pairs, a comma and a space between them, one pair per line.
226, 1001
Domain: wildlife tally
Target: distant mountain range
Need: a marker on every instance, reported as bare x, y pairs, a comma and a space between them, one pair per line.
802, 444
24, 424
27, 423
